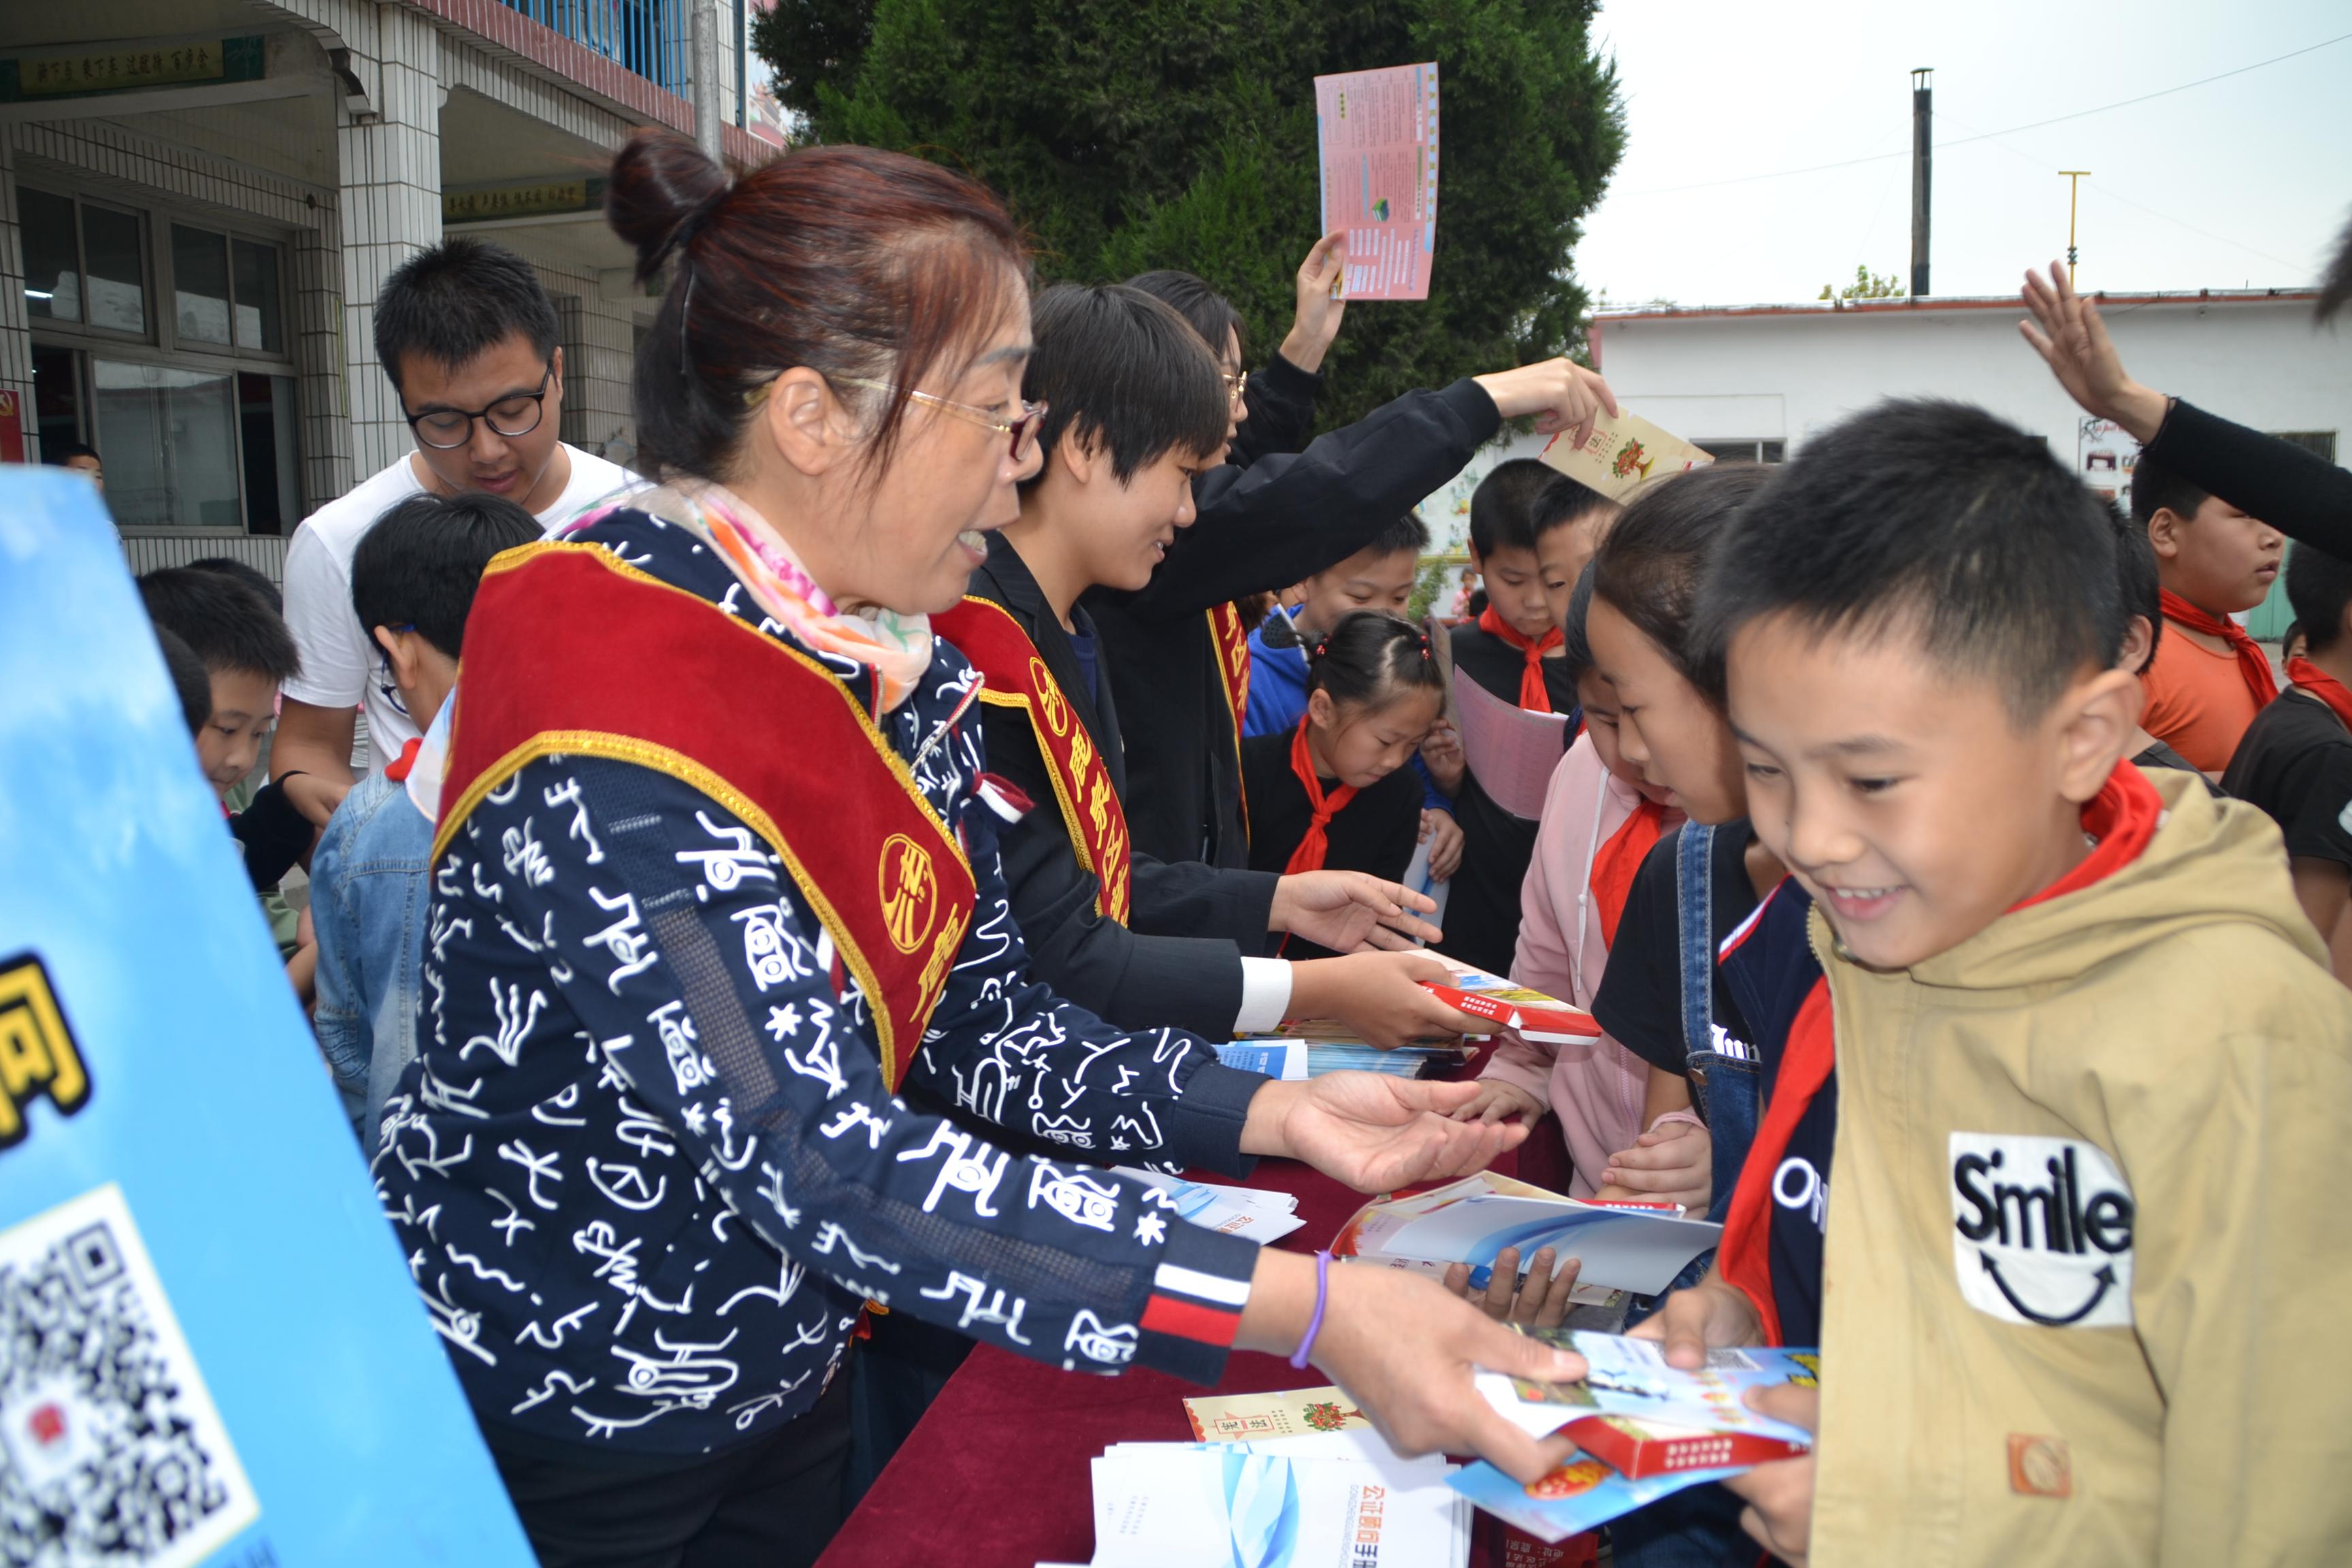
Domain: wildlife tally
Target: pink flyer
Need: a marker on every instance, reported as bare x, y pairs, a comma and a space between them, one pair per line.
1378, 132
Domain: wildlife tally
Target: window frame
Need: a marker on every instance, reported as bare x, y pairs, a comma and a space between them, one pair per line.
160, 346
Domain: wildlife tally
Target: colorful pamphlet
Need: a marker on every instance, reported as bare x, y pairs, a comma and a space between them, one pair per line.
1376, 134
1512, 751
1631, 1377
1364, 1239
1580, 1495
1240, 1417
1335, 1500
1553, 1026
1622, 453
1252, 1212
1637, 1249
1638, 1448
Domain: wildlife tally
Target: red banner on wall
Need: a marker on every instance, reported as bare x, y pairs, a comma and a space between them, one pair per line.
12, 428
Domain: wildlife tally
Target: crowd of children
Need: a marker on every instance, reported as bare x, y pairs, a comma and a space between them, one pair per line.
1966, 903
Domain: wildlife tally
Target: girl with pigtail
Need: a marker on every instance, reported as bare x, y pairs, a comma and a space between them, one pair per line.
1334, 792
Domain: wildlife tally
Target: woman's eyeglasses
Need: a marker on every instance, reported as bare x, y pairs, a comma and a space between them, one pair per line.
1237, 385
1021, 429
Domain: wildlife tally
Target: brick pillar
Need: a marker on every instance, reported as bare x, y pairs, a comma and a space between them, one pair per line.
390, 208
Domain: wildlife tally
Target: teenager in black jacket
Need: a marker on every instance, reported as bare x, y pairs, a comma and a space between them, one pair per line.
1264, 525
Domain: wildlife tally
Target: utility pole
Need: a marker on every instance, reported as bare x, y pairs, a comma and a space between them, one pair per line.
2074, 178
703, 35
1922, 117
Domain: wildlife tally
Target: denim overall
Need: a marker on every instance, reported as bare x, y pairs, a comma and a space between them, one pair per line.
1699, 1527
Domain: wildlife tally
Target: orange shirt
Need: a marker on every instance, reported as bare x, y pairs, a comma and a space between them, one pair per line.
2197, 700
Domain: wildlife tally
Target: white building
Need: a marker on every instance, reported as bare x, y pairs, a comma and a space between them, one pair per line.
1755, 381
200, 198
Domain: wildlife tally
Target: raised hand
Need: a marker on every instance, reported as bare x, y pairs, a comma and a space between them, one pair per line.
1374, 1132
2072, 340
1559, 394
1322, 302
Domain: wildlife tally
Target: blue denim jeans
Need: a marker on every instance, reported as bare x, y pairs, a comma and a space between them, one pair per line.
368, 897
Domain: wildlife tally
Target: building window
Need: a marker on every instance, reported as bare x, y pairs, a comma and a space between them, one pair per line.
2319, 443
1742, 449
197, 423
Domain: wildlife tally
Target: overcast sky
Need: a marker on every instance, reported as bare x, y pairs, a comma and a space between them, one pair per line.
2241, 182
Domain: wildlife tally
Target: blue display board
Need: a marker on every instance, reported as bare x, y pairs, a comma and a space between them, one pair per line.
210, 1350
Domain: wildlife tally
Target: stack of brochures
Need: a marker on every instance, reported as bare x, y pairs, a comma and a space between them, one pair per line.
1294, 1059
1643, 1430
1338, 1499
1252, 1212
1620, 1248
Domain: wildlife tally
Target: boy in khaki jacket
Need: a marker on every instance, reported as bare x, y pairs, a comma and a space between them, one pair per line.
2060, 1036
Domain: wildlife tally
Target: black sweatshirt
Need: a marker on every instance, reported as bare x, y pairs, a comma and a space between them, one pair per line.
1481, 912
1261, 527
2296, 491
1189, 974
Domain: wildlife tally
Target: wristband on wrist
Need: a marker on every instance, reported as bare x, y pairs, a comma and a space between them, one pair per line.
1315, 1324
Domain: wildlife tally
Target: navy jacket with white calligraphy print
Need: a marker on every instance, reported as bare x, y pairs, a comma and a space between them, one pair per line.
625, 1246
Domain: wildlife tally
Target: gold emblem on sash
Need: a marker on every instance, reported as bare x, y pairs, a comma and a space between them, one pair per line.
910, 892
1050, 701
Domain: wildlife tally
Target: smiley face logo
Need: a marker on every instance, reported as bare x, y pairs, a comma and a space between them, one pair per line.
910, 892
1049, 699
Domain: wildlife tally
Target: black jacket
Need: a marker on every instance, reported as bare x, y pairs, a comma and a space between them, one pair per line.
1180, 964
1263, 527
2295, 491
1481, 912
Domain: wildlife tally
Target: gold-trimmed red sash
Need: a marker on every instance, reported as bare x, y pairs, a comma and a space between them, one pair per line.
1015, 677
1231, 638
571, 651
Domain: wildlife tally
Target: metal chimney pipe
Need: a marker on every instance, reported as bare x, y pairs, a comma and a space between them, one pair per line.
703, 36
1922, 117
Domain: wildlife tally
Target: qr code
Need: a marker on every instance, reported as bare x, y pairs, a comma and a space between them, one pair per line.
111, 1454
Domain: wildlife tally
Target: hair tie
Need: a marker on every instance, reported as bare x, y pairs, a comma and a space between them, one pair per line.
1322, 645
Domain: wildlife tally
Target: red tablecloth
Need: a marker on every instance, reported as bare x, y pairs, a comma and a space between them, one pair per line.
996, 1475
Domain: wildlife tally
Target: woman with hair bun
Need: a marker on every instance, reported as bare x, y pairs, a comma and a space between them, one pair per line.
721, 981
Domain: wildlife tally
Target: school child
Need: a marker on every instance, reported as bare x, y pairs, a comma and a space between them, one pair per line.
2143, 602
1378, 577
2035, 1127
1601, 819
412, 582
1335, 791
2209, 678
1510, 650
246, 653
1134, 409
2296, 760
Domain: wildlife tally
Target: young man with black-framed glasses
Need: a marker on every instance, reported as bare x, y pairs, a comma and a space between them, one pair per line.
466, 336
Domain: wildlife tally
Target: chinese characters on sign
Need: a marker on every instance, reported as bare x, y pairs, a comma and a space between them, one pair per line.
1378, 136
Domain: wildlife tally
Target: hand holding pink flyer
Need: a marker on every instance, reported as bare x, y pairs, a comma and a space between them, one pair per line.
1378, 132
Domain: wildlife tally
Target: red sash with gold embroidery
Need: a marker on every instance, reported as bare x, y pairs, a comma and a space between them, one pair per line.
1016, 677
1234, 667
572, 652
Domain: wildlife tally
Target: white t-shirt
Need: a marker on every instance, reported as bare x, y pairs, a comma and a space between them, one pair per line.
340, 666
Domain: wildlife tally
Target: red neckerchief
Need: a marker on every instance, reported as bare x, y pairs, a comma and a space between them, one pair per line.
397, 769
1534, 696
1614, 863
1308, 856
2251, 662
2315, 681
2123, 816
